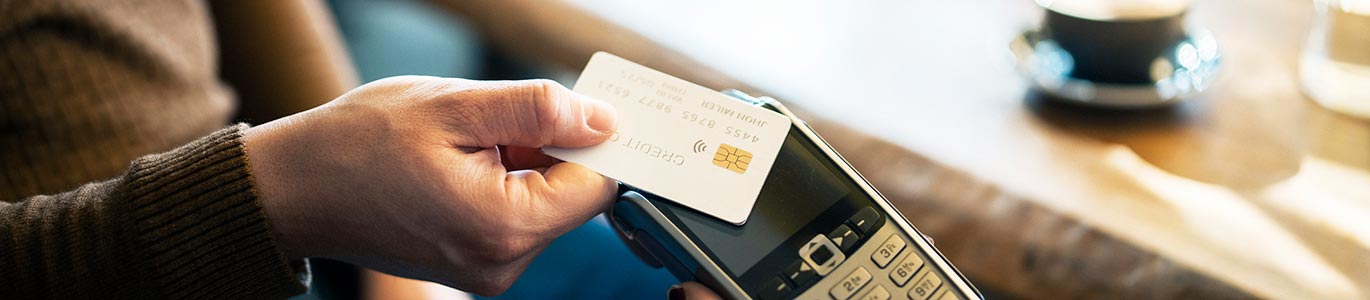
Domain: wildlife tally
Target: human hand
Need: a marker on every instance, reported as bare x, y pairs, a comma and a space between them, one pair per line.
429, 178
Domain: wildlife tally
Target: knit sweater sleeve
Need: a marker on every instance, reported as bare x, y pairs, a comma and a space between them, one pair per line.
184, 224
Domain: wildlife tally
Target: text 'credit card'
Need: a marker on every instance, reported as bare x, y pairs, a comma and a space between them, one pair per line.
687, 143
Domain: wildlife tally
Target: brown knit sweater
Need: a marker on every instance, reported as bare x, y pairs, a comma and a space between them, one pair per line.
86, 87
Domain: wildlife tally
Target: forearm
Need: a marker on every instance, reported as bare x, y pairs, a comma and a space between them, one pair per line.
181, 224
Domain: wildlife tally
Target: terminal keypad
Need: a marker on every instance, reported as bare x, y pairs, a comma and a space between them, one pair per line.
888, 268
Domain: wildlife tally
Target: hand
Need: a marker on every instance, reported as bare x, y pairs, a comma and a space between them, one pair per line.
432, 178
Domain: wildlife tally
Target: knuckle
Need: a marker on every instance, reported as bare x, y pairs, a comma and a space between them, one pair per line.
549, 99
547, 87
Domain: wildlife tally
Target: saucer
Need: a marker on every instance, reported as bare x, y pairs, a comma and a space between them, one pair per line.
1182, 71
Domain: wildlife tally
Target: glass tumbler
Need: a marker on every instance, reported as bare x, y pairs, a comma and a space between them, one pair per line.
1335, 67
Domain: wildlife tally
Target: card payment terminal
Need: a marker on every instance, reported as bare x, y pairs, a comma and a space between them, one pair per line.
817, 231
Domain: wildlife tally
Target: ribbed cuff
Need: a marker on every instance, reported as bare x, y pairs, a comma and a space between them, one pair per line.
197, 229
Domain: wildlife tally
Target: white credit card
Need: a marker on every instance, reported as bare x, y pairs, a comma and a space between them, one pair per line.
676, 139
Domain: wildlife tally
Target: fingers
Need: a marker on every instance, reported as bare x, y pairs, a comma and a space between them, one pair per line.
691, 290
568, 192
537, 113
521, 158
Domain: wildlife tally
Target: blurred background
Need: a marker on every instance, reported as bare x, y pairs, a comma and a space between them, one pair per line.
1253, 182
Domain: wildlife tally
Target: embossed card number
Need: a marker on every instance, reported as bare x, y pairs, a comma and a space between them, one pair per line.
687, 143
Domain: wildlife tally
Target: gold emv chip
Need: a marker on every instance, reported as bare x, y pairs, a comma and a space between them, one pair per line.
732, 158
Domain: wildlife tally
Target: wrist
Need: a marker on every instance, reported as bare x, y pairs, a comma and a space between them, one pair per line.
267, 162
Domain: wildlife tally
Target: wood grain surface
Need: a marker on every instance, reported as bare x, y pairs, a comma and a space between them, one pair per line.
1250, 190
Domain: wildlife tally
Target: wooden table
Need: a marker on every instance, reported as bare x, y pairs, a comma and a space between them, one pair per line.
1249, 190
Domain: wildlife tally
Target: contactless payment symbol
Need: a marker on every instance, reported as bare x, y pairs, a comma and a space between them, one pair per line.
732, 158
700, 146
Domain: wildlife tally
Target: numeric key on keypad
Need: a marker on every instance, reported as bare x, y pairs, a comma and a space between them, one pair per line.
905, 269
887, 251
850, 284
925, 286
877, 293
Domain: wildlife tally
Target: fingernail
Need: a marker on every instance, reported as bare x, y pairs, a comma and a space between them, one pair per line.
676, 293
600, 116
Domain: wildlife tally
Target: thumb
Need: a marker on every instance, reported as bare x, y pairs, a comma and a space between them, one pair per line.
536, 113
570, 194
